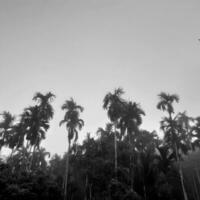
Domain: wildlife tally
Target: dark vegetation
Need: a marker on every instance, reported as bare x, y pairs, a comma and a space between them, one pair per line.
123, 162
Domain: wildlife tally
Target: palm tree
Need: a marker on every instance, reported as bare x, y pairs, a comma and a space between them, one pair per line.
44, 102
131, 118
146, 168
114, 105
35, 120
166, 101
35, 127
172, 130
105, 132
73, 122
129, 123
105, 140
6, 128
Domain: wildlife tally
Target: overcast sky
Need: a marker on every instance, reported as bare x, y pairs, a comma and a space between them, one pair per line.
85, 48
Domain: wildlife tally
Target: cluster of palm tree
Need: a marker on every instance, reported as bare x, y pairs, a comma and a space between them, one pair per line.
123, 162
26, 133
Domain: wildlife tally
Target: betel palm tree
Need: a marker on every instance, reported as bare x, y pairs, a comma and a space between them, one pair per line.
129, 123
6, 126
105, 141
131, 118
114, 105
35, 127
105, 132
73, 124
172, 130
44, 102
37, 118
166, 102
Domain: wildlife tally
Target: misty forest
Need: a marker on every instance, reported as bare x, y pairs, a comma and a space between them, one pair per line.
121, 161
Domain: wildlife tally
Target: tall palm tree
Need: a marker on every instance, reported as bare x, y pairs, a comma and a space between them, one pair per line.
106, 136
129, 123
35, 127
44, 102
6, 128
166, 102
114, 105
131, 118
36, 119
172, 130
73, 124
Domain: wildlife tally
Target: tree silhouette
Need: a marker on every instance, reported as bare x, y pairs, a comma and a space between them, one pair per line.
129, 123
73, 124
44, 101
6, 128
174, 136
114, 105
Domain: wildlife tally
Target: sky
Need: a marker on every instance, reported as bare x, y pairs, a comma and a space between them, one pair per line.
84, 49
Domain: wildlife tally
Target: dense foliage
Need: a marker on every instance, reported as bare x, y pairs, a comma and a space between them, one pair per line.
121, 162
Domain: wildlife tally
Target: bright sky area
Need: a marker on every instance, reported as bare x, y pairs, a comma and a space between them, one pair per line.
83, 49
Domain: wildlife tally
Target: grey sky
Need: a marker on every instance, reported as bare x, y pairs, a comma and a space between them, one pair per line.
85, 48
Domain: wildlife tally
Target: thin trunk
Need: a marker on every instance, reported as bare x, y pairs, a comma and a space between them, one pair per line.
67, 171
115, 143
90, 190
86, 187
179, 164
131, 160
145, 194
10, 158
31, 161
181, 174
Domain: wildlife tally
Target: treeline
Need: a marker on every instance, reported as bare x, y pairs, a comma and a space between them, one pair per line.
123, 162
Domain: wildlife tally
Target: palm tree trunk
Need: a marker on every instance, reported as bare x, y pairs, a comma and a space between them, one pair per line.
31, 161
11, 158
90, 191
86, 186
130, 160
115, 146
145, 194
67, 171
181, 174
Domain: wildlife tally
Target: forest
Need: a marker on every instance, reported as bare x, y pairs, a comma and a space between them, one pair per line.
121, 161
